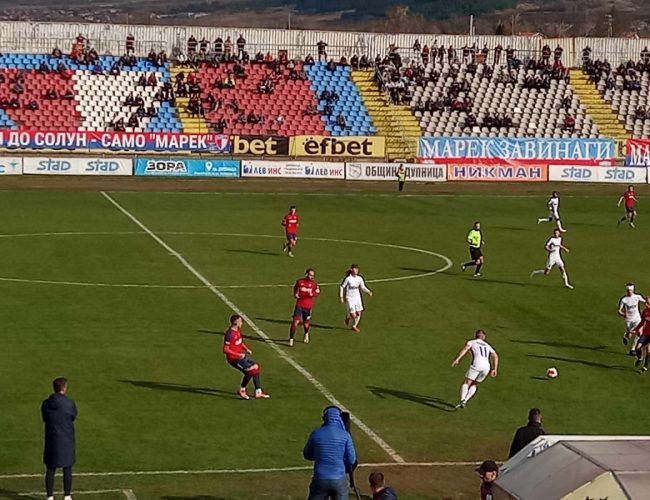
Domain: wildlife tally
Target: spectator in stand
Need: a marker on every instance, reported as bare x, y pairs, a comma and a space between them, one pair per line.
51, 93
218, 48
194, 89
118, 126
241, 46
181, 90
32, 105
354, 62
142, 81
152, 112
311, 110
221, 125
68, 94
425, 55
138, 101
203, 49
234, 105
645, 55
152, 56
141, 112
379, 489
451, 54
59, 414
528, 433
242, 119
328, 110
309, 59
133, 122
365, 63
340, 121
321, 47
115, 70
191, 46
417, 47
98, 69
279, 120
227, 48
130, 44
44, 68
489, 471
331, 66
130, 100
569, 123
239, 71
152, 81
14, 103
4, 102
441, 53
56, 53
331, 449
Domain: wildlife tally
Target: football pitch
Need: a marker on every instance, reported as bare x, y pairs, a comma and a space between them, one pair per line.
128, 293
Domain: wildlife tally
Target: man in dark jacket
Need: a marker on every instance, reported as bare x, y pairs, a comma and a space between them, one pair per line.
332, 450
528, 432
379, 489
59, 413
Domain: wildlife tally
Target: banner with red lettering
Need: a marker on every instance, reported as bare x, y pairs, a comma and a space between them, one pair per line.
115, 141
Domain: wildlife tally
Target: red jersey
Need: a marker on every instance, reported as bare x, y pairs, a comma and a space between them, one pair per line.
305, 290
644, 326
628, 196
233, 345
290, 223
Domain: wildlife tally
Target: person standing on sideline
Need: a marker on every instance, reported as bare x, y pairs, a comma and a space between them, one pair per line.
59, 413
331, 449
528, 432
379, 489
475, 240
489, 471
401, 176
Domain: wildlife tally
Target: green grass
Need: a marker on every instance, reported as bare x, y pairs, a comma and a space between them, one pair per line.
154, 392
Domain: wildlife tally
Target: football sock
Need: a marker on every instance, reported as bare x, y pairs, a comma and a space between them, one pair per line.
306, 325
632, 218
471, 392
622, 219
478, 268
537, 271
357, 318
565, 277
469, 264
540, 220
245, 381
256, 382
292, 330
463, 392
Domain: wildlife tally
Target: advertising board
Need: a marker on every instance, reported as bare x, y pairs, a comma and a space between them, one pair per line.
338, 147
297, 169
11, 165
498, 173
182, 167
619, 175
54, 165
388, 172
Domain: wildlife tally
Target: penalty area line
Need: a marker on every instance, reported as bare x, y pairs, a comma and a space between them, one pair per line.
258, 470
128, 493
278, 350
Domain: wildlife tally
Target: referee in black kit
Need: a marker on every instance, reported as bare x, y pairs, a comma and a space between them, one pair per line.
475, 240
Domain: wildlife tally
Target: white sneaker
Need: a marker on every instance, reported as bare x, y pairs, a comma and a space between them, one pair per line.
569, 286
563, 230
306, 339
50, 498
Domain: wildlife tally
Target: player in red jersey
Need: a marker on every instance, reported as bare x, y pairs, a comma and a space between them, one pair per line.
630, 201
290, 224
305, 290
643, 329
237, 355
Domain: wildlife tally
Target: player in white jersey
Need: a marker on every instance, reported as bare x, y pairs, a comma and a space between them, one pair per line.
553, 205
485, 361
628, 308
350, 295
553, 247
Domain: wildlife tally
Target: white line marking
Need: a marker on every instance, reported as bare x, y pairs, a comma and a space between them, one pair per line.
320, 387
258, 470
129, 495
448, 262
76, 492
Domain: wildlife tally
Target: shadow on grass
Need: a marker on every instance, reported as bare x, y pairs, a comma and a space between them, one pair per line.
166, 386
252, 338
268, 253
13, 495
416, 269
545, 379
513, 228
492, 280
583, 362
599, 348
196, 497
437, 403
288, 322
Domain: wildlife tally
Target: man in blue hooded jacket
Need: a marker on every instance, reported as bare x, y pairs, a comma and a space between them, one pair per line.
332, 450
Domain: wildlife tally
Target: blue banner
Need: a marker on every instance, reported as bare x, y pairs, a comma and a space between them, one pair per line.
179, 167
500, 150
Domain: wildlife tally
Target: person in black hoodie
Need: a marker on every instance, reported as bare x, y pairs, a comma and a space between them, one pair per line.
59, 413
379, 489
528, 432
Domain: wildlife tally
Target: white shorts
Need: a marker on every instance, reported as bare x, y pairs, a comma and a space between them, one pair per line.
553, 215
478, 374
354, 305
631, 325
554, 260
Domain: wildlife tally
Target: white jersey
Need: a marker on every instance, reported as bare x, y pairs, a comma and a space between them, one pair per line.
351, 288
630, 306
554, 206
481, 351
554, 245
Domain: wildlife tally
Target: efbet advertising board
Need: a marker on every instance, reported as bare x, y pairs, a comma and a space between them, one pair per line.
258, 145
179, 167
338, 147
498, 150
295, 169
388, 172
498, 173
77, 166
618, 175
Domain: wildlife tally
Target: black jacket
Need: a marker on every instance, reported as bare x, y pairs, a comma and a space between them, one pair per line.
58, 413
525, 435
387, 493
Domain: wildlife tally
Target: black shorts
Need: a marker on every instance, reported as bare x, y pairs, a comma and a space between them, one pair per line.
629, 210
475, 253
644, 340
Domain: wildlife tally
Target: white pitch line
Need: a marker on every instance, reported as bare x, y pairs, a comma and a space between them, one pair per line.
77, 492
258, 470
448, 262
320, 387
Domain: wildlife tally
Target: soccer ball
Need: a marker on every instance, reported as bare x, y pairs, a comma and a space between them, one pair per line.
552, 373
